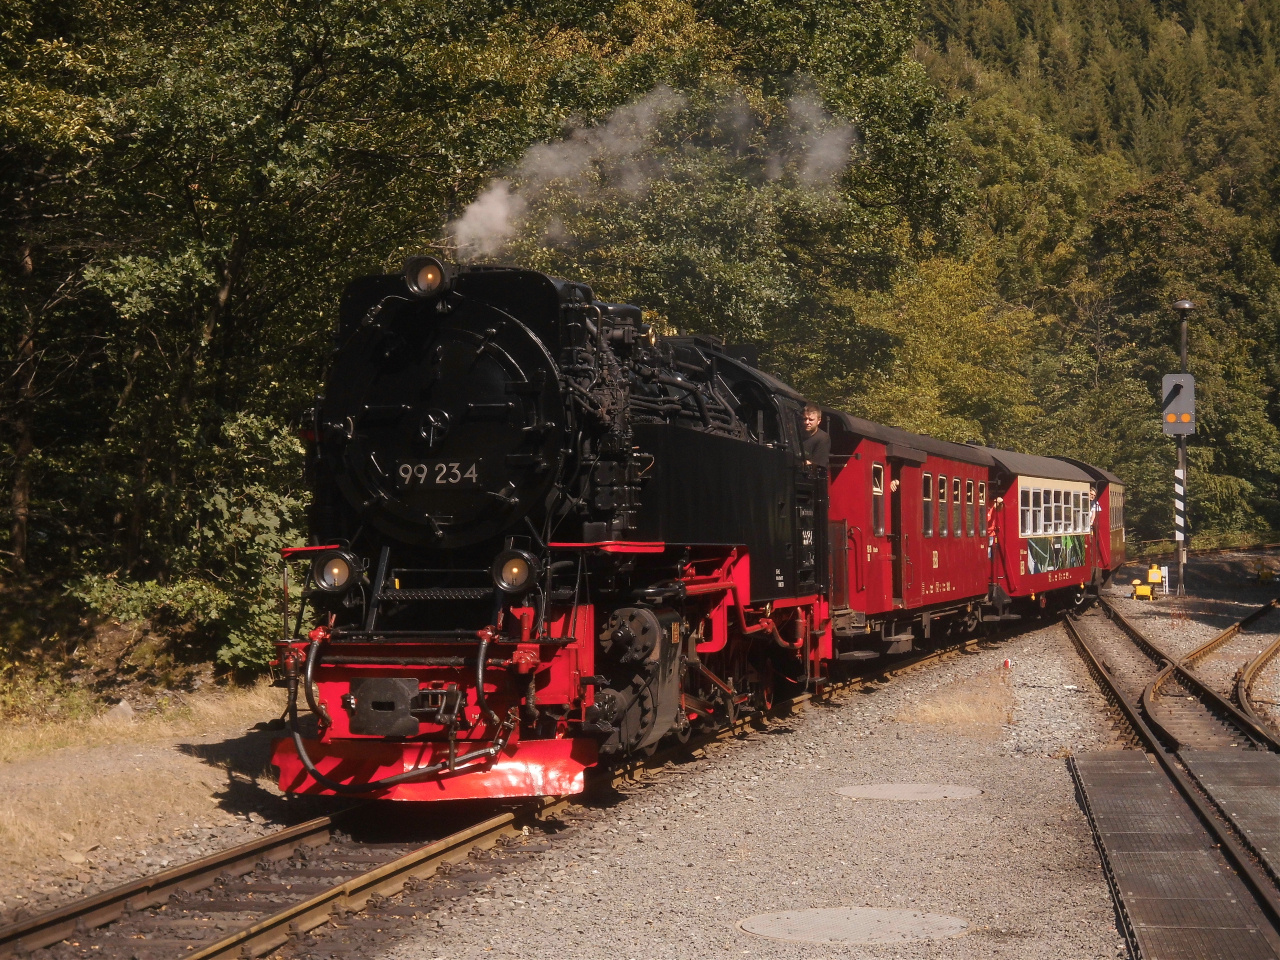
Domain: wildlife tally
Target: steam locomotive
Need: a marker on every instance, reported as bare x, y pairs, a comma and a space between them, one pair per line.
543, 537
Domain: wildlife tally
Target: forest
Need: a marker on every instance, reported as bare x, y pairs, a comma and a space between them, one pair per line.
962, 217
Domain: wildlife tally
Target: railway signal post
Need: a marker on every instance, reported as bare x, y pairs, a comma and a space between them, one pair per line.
1178, 419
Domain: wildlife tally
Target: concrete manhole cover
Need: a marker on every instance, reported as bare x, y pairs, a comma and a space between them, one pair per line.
854, 925
909, 791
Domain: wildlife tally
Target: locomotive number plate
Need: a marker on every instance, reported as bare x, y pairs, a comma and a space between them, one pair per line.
439, 471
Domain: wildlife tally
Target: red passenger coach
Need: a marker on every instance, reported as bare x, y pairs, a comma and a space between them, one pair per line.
543, 537
1109, 519
938, 535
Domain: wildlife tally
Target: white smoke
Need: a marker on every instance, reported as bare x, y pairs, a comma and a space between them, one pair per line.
620, 143
823, 144
621, 156
489, 222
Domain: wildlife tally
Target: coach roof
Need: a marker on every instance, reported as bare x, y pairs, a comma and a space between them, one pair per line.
1099, 474
914, 447
1050, 468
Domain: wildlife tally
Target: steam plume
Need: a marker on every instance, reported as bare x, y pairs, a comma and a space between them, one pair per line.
630, 150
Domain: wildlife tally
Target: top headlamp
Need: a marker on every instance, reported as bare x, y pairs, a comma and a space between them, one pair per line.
425, 276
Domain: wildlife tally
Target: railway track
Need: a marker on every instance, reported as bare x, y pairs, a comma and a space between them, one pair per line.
1248, 676
252, 899
1185, 825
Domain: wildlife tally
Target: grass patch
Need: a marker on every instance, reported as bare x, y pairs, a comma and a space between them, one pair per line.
975, 706
85, 723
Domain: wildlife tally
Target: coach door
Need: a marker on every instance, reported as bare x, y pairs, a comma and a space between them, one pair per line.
905, 519
898, 544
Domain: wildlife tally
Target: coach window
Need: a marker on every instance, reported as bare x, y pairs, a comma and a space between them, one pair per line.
877, 499
1077, 516
926, 491
942, 506
968, 508
956, 529
982, 509
1057, 511
1024, 513
1037, 504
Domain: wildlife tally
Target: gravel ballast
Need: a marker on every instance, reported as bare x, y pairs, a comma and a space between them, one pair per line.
757, 827
1221, 589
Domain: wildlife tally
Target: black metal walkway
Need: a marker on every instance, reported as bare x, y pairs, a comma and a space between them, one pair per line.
1181, 898
1246, 785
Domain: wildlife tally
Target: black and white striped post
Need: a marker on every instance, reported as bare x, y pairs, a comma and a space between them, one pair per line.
1180, 415
1180, 511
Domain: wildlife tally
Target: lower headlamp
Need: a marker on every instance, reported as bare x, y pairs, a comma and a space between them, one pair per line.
515, 571
334, 571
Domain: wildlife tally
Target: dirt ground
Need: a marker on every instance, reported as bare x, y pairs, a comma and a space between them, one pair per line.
139, 795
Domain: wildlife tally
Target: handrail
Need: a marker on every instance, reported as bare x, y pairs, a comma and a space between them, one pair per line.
861, 587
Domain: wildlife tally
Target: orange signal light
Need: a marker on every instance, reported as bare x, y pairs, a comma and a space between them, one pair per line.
1171, 417
1186, 418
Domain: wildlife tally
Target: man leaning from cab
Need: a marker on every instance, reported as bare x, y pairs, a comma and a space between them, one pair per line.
817, 442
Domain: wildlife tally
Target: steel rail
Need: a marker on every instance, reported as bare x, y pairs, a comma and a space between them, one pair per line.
1244, 681
1174, 665
45, 929
48, 928
1241, 689
1255, 877
275, 930
1231, 631
297, 918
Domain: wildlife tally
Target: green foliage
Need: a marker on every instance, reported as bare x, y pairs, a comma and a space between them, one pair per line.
749, 219
185, 189
960, 358
226, 555
1024, 188
1123, 158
